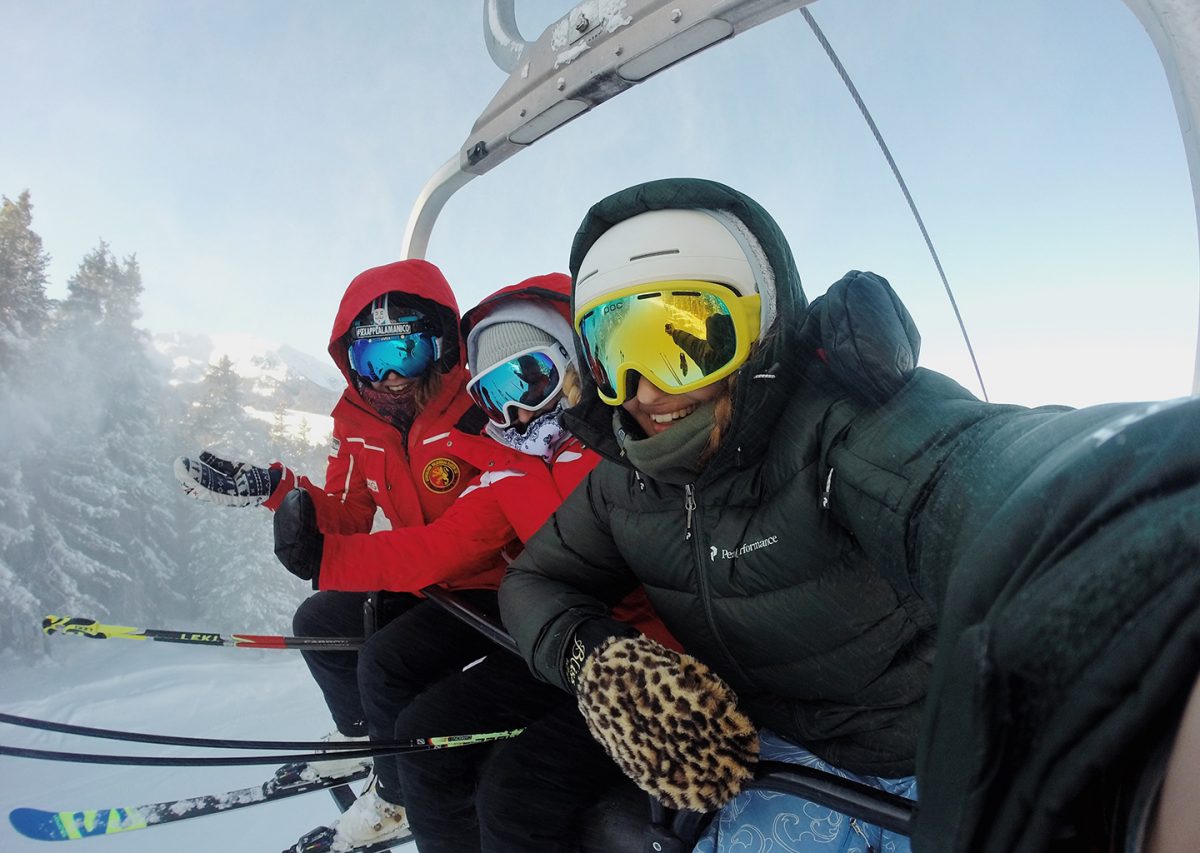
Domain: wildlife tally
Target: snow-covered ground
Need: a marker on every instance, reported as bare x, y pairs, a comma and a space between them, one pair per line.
318, 429
164, 689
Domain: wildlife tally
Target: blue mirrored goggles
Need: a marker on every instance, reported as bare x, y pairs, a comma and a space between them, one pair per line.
409, 355
527, 380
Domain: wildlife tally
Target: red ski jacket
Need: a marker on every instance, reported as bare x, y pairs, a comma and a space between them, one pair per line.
412, 479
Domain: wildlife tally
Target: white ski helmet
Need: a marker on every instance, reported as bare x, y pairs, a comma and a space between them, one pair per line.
677, 245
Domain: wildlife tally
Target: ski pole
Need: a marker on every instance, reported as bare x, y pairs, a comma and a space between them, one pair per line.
83, 627
383, 748
213, 743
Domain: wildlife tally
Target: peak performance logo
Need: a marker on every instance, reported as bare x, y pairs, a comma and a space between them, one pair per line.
742, 550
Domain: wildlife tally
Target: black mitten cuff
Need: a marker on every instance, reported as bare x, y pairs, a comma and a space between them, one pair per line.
298, 540
587, 636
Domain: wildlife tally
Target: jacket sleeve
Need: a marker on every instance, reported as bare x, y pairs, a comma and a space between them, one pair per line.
570, 571
537, 498
462, 542
344, 504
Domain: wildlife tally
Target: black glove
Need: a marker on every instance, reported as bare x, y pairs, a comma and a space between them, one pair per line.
298, 540
668, 721
211, 478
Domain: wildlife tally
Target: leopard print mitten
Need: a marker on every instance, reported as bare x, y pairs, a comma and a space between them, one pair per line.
668, 721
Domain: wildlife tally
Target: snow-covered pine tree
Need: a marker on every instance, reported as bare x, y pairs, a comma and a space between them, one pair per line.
92, 522
229, 553
279, 436
103, 542
23, 302
24, 309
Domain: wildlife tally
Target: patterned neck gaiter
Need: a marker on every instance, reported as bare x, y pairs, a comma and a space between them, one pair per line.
542, 437
398, 409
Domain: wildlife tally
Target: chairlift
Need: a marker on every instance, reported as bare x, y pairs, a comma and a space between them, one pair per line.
599, 50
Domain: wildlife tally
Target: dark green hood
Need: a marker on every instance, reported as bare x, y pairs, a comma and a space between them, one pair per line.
757, 403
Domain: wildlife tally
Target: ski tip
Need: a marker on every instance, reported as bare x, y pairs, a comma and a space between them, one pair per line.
64, 826
52, 624
36, 824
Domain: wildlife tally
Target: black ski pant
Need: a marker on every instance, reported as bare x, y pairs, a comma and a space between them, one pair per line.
415, 644
524, 794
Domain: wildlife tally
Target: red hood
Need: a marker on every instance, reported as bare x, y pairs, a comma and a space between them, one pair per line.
554, 288
416, 277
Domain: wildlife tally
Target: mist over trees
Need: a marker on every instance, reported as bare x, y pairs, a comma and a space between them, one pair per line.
92, 522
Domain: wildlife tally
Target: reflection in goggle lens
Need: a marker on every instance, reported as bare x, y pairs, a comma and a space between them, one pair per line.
525, 381
408, 355
674, 339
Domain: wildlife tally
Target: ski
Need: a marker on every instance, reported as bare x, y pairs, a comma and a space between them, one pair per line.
43, 825
83, 627
320, 840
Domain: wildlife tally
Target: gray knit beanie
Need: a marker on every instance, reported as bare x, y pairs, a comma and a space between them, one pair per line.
500, 341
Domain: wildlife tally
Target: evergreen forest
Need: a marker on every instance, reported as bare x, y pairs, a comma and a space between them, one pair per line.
92, 521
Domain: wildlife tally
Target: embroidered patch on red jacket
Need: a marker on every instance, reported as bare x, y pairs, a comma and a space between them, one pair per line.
441, 475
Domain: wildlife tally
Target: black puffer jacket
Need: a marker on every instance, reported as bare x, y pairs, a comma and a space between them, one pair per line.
858, 507
759, 588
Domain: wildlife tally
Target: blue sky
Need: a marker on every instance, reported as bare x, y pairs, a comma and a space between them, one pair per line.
256, 156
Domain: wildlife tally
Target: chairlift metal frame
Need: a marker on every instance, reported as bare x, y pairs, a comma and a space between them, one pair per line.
602, 48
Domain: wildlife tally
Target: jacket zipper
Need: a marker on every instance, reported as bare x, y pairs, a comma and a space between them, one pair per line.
690, 504
854, 824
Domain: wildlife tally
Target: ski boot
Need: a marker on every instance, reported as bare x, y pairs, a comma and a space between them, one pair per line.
321, 840
371, 824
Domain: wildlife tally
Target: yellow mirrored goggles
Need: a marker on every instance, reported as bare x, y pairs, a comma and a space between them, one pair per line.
681, 335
